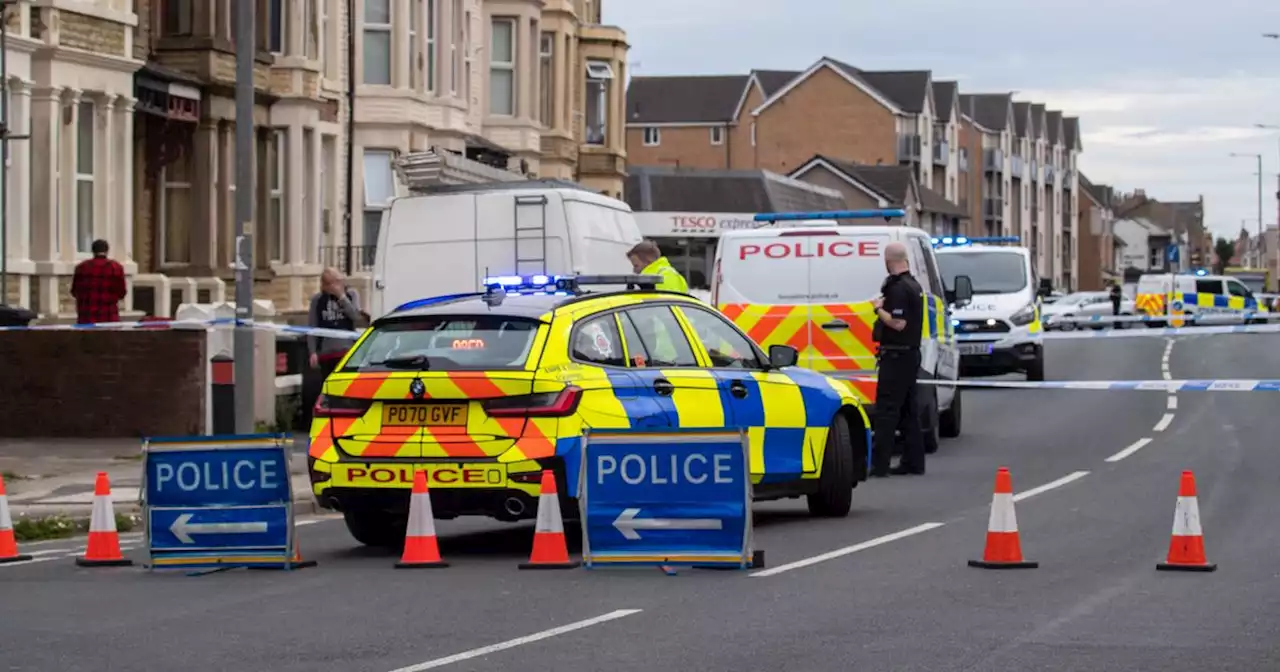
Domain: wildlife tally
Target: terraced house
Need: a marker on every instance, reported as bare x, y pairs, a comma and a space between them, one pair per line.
780, 120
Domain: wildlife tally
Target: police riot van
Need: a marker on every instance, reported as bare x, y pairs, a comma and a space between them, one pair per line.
445, 240
1194, 294
806, 282
1001, 325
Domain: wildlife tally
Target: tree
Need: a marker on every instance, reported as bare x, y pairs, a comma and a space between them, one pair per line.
1223, 250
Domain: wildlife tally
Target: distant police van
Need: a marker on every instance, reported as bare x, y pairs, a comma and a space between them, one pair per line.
801, 280
1002, 323
1194, 294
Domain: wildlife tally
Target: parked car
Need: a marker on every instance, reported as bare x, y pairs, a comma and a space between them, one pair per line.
1084, 304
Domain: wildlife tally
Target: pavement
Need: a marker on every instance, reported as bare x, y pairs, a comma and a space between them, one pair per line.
887, 588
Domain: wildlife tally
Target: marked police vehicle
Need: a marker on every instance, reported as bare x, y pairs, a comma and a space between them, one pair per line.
1195, 294
1000, 327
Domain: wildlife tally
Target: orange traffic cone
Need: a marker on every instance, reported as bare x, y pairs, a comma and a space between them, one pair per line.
421, 550
8, 542
103, 549
549, 548
1186, 547
1004, 549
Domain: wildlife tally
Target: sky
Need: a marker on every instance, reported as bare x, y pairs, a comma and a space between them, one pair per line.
1165, 90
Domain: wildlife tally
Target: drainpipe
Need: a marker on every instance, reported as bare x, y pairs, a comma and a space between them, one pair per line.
347, 214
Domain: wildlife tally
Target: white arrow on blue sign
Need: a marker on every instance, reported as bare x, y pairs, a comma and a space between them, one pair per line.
183, 528
627, 523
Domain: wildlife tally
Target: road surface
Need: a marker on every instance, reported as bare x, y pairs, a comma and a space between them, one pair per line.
884, 589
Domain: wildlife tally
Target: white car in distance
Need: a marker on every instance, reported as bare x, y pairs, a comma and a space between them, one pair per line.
1081, 305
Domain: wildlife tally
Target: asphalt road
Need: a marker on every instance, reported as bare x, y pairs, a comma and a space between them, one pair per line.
879, 590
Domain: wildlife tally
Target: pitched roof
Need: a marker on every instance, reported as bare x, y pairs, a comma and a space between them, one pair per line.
944, 96
1054, 118
908, 89
892, 183
690, 100
671, 189
988, 110
773, 80
1037, 120
1101, 194
1020, 113
851, 74
1071, 132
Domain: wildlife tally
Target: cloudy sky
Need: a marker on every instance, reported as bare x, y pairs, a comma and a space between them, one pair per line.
1166, 90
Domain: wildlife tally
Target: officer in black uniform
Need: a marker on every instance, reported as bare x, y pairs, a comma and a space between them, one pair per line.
900, 318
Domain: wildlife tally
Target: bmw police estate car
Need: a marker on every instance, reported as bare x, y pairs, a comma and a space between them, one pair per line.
483, 391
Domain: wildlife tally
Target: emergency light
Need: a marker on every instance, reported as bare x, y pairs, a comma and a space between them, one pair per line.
960, 241
888, 213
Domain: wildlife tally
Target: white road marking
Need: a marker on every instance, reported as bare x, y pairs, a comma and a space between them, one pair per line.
1173, 403
840, 552
1164, 423
1166, 374
1050, 486
1137, 445
520, 641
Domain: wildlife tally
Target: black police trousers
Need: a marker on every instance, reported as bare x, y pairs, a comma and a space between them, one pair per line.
897, 408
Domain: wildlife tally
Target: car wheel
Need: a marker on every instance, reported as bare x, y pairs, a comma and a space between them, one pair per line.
1035, 370
834, 497
1068, 326
375, 527
929, 426
949, 420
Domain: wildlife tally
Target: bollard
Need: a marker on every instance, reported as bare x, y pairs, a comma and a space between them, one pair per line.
222, 394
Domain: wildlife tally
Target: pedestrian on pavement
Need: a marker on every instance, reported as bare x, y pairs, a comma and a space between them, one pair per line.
335, 306
647, 259
900, 318
1115, 298
98, 287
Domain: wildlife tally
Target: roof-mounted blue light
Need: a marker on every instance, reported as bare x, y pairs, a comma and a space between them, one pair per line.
960, 241
887, 213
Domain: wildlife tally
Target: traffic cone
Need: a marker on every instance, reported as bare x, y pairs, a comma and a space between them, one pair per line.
8, 542
1004, 549
421, 550
1186, 547
549, 548
103, 549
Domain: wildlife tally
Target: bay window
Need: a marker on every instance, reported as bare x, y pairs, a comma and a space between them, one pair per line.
502, 67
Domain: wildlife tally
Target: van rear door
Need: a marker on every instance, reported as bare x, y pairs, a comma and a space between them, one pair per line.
846, 277
762, 284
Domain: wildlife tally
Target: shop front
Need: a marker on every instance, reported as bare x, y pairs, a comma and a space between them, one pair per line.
688, 239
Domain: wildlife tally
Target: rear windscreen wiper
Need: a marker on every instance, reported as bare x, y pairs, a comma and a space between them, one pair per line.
418, 362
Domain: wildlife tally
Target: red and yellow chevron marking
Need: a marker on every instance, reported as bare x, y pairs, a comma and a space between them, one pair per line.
800, 327
1150, 304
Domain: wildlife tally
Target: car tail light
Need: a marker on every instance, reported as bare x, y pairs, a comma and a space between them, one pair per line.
542, 405
329, 406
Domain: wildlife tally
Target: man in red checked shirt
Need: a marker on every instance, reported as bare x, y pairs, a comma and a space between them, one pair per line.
98, 287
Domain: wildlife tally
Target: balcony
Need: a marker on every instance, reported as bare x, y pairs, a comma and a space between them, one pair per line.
1019, 168
963, 157
908, 148
941, 153
1048, 173
993, 208
1035, 170
993, 161
362, 257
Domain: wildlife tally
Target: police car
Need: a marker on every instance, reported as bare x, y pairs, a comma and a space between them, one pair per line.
485, 390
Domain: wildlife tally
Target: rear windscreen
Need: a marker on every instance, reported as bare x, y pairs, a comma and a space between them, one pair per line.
446, 343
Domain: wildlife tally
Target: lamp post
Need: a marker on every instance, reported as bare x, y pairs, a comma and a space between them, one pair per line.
1258, 157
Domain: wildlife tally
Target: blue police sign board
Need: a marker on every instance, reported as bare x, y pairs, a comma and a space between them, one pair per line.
679, 497
219, 501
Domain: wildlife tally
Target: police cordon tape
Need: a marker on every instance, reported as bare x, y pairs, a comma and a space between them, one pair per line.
1133, 333
1222, 385
1197, 318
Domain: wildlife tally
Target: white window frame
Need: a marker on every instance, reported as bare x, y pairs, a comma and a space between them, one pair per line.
370, 207
276, 206
364, 51
86, 113
455, 49
283, 28
753, 134
311, 27
415, 49
599, 75
652, 136
504, 66
432, 64
322, 37
547, 78
162, 231
717, 135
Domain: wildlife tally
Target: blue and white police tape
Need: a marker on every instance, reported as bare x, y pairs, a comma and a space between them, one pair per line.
1194, 318
1221, 385
216, 323
1131, 333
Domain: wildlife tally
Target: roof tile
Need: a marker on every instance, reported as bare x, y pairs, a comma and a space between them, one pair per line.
944, 96
691, 100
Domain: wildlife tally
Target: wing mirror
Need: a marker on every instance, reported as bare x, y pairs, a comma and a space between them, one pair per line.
962, 294
781, 356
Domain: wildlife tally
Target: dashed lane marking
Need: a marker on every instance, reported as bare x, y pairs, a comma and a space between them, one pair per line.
1164, 423
1050, 486
519, 641
841, 552
1137, 445
1173, 403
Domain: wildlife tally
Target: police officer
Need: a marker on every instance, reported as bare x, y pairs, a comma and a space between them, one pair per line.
647, 259
900, 318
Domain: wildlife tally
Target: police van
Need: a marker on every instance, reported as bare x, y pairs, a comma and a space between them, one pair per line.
803, 280
1194, 294
445, 239
1002, 322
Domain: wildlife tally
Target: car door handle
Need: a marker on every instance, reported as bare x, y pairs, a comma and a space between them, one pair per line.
836, 324
663, 387
738, 390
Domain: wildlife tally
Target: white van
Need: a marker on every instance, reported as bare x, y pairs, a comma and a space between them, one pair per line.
448, 240
1194, 295
1001, 325
811, 286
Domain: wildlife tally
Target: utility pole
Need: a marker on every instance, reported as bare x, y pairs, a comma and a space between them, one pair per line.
244, 336
348, 266
5, 137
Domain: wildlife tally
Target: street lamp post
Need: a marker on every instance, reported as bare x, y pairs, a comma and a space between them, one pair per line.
1259, 159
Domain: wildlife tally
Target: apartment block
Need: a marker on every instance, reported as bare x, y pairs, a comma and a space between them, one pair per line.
779, 120
1101, 252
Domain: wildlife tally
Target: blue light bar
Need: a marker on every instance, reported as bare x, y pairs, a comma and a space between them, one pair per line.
430, 300
959, 241
832, 214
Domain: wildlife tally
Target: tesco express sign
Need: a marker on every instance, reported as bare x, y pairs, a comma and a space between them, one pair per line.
692, 224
